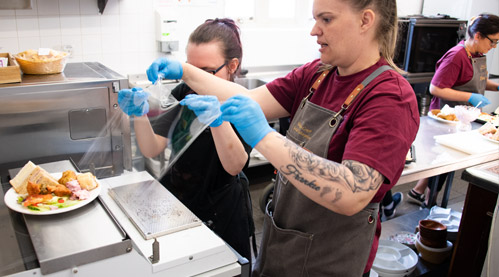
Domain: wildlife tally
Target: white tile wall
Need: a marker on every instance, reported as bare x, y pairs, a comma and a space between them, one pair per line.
123, 37
8, 26
69, 7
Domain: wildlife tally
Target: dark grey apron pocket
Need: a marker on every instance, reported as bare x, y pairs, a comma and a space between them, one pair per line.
286, 249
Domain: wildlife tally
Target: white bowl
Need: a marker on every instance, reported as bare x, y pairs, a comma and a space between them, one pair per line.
433, 255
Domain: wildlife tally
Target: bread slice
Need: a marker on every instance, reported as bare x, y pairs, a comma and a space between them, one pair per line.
43, 178
87, 181
33, 173
20, 182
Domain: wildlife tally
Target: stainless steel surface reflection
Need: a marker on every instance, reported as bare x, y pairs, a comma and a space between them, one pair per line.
74, 114
433, 159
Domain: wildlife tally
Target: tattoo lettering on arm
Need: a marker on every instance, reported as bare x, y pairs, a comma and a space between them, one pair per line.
291, 170
356, 176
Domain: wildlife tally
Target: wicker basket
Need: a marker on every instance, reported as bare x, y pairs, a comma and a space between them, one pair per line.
32, 63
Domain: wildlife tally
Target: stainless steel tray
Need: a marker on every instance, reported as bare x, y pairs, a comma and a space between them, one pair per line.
153, 209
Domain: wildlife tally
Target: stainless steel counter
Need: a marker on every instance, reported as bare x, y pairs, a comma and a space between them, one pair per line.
433, 158
99, 239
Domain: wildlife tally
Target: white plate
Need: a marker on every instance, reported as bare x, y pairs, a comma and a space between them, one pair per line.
394, 258
489, 139
448, 217
431, 115
11, 197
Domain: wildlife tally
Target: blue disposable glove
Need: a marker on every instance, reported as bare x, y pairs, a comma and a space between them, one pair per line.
168, 68
133, 101
476, 98
247, 117
206, 108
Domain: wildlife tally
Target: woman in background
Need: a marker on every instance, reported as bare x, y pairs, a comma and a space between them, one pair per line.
206, 178
461, 78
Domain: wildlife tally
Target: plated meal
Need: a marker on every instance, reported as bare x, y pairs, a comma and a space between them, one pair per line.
35, 191
490, 132
446, 114
485, 117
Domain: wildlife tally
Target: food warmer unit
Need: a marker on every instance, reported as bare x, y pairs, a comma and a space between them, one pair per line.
72, 120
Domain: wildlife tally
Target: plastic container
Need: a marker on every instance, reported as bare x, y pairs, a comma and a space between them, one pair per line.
31, 62
394, 259
466, 114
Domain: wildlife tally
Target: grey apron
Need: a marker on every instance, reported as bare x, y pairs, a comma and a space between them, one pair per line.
300, 237
477, 84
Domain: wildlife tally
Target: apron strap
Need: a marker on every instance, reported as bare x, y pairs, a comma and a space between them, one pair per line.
467, 51
356, 91
314, 87
319, 80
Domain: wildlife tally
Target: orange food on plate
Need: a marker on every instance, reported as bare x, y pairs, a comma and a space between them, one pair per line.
68, 175
438, 113
489, 131
36, 199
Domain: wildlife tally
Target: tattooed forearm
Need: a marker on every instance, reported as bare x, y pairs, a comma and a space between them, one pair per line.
327, 190
356, 176
292, 171
366, 178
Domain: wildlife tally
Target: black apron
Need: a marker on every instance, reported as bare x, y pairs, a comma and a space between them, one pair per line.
300, 237
477, 84
200, 182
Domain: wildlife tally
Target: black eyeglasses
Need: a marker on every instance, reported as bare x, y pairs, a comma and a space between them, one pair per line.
216, 70
492, 43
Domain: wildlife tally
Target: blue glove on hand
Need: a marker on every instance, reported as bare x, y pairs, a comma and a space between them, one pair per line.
133, 101
206, 108
476, 98
169, 68
247, 117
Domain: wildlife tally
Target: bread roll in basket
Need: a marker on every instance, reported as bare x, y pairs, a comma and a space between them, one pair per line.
32, 63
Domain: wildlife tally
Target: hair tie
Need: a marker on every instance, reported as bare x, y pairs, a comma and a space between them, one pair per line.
473, 19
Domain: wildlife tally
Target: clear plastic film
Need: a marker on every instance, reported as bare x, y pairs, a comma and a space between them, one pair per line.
161, 93
183, 131
182, 127
182, 124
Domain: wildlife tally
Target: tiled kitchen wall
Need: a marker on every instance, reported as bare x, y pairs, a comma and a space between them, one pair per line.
123, 37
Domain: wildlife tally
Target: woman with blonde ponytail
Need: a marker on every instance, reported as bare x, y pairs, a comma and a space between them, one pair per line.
353, 119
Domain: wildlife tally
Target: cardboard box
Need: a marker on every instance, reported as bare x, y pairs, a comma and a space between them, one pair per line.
11, 73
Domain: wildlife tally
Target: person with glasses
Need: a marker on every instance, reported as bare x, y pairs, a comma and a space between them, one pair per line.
353, 120
461, 78
208, 178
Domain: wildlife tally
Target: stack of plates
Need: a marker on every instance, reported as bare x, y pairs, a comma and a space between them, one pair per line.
394, 259
448, 217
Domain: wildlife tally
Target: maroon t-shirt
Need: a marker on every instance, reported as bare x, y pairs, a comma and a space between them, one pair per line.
452, 70
378, 128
